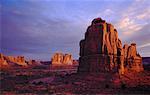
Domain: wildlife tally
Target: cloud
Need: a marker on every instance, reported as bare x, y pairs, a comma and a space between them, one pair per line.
128, 27
36, 33
134, 18
144, 15
40, 28
142, 39
133, 25
144, 45
105, 13
108, 12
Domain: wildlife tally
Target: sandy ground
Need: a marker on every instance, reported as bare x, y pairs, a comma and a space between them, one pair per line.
65, 80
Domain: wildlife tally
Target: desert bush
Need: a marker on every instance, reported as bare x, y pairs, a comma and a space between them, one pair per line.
123, 85
106, 86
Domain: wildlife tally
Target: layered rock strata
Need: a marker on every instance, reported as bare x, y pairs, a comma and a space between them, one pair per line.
62, 59
5, 60
102, 51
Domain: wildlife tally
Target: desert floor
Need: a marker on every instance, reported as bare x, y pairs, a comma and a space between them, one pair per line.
66, 80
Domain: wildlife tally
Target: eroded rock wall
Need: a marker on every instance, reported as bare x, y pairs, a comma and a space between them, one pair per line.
101, 50
62, 59
5, 60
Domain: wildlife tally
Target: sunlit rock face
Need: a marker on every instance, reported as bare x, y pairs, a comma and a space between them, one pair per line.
3, 62
62, 59
67, 59
133, 60
57, 58
7, 60
101, 50
19, 60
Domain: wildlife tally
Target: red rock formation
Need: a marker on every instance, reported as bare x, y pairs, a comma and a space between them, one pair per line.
62, 59
18, 60
32, 62
67, 59
102, 51
3, 62
57, 59
133, 60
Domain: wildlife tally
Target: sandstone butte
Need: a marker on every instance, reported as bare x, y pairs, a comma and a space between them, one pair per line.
62, 59
101, 51
5, 61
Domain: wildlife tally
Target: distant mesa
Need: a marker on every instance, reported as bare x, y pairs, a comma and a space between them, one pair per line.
13, 61
6, 61
3, 62
102, 51
62, 59
33, 62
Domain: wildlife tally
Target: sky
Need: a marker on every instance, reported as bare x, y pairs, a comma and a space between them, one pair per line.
37, 29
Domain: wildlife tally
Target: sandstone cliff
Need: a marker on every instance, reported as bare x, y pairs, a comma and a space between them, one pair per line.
102, 51
3, 62
19, 60
6, 60
62, 59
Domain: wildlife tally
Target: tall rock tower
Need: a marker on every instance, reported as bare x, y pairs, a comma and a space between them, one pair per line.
102, 51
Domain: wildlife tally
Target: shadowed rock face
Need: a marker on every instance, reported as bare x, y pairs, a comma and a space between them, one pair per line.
62, 59
102, 51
